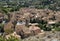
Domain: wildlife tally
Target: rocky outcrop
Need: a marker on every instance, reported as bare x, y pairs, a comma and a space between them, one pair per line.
25, 32
35, 29
22, 30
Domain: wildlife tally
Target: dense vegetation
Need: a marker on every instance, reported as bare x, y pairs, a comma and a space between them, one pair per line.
11, 5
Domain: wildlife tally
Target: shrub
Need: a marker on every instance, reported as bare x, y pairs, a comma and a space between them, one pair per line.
13, 39
2, 38
57, 29
10, 39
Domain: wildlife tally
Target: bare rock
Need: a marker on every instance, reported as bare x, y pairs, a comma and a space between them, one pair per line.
22, 30
34, 29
